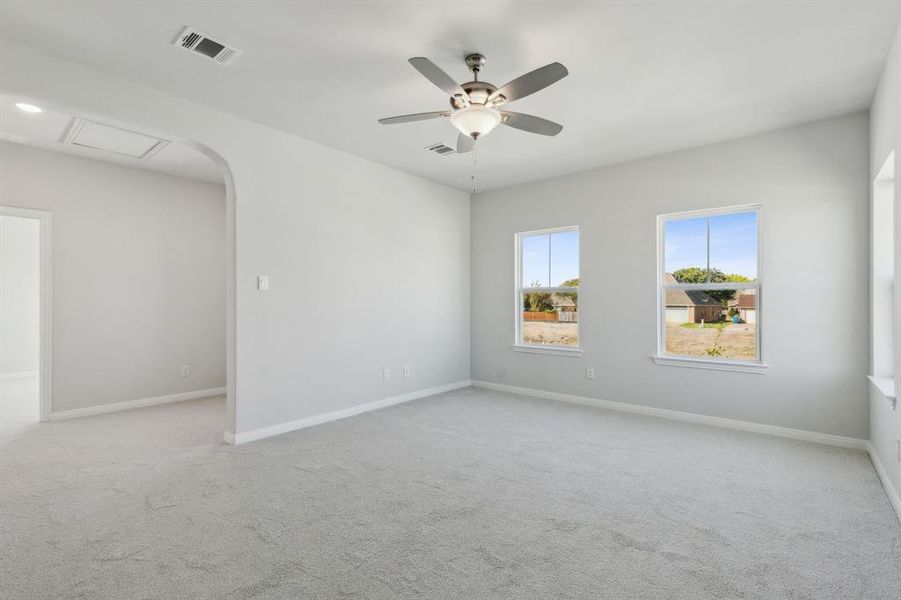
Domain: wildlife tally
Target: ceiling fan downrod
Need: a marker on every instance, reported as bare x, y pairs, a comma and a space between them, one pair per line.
475, 62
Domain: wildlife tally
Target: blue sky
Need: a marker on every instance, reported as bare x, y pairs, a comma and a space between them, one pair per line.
733, 243
564, 258
733, 249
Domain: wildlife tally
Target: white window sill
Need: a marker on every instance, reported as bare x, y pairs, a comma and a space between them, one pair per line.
885, 385
552, 350
715, 365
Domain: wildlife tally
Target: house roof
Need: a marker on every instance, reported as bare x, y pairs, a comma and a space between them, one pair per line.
561, 300
687, 297
746, 301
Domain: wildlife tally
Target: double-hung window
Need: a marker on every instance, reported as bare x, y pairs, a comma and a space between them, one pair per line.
547, 291
709, 301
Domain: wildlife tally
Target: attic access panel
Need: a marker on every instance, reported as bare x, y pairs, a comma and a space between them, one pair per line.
108, 138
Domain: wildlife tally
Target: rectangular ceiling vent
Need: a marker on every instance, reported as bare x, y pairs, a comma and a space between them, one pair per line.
440, 149
200, 43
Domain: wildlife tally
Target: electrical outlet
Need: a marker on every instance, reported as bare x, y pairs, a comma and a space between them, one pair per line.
898, 449
589, 373
185, 370
386, 374
263, 283
406, 370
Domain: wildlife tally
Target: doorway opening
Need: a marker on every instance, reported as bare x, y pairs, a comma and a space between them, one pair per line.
24, 316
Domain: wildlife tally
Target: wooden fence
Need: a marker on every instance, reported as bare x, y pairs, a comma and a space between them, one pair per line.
567, 317
530, 315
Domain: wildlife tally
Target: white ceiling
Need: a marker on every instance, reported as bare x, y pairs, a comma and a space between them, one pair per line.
48, 130
645, 77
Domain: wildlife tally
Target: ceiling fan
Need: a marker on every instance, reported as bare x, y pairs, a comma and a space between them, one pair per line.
476, 106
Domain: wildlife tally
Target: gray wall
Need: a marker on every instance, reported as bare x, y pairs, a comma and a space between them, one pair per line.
811, 181
885, 136
368, 270
138, 275
19, 295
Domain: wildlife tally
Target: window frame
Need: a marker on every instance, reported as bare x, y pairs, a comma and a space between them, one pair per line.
519, 289
882, 280
724, 364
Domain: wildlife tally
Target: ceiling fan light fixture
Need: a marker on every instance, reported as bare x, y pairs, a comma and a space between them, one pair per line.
476, 120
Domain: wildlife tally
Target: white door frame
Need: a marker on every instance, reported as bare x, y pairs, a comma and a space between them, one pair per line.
46, 309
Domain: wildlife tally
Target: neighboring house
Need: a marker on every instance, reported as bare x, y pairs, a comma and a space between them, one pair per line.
746, 304
563, 303
566, 307
690, 306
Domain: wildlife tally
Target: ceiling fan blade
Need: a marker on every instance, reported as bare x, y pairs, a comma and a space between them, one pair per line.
433, 73
531, 124
415, 117
530, 83
464, 144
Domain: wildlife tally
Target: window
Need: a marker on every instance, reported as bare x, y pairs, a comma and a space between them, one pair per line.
547, 291
709, 289
882, 278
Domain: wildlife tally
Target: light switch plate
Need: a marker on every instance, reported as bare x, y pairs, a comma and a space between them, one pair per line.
263, 282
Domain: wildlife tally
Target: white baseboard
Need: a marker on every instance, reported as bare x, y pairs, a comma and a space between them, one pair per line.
264, 432
890, 490
18, 375
796, 434
128, 405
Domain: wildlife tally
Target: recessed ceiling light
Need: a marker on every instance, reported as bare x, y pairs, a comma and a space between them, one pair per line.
29, 108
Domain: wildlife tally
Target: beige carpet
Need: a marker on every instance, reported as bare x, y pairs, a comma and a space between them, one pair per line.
472, 494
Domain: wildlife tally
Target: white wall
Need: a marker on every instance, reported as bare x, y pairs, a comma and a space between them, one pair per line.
812, 184
138, 275
20, 279
369, 267
885, 136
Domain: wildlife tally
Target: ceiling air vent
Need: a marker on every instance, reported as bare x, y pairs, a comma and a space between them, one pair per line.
440, 149
200, 43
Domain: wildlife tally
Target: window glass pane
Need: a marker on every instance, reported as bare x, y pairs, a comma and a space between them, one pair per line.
685, 249
535, 261
711, 324
733, 247
550, 319
565, 259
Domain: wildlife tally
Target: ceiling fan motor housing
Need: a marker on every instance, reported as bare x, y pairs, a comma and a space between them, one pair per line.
478, 92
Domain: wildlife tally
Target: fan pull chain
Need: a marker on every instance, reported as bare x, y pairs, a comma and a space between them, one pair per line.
475, 163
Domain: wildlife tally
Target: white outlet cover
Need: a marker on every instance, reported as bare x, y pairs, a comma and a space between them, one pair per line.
386, 374
263, 282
